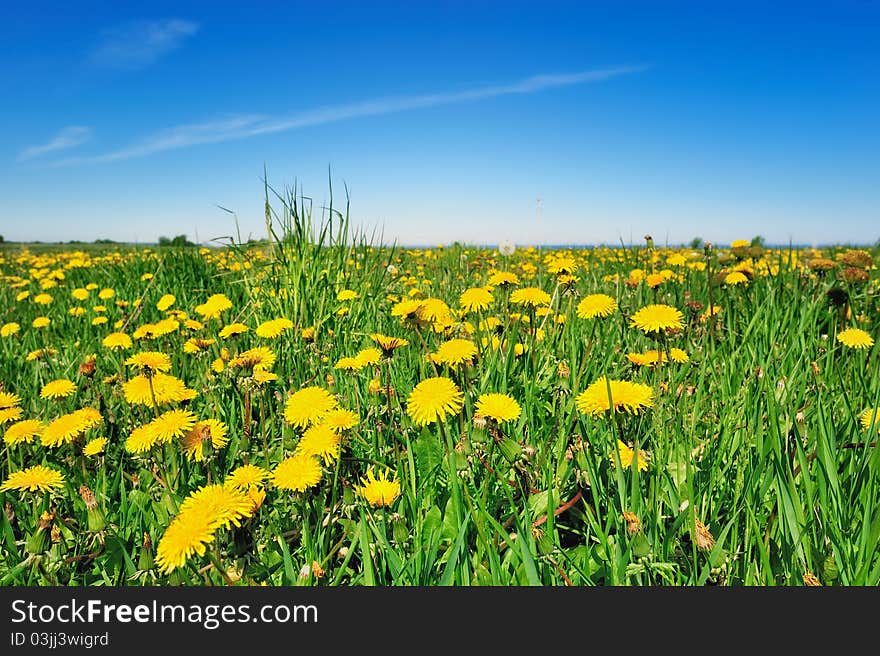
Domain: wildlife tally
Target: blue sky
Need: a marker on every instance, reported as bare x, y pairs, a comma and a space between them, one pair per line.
447, 121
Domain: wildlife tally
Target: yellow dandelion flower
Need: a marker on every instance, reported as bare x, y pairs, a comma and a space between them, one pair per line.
207, 429
106, 294
9, 329
322, 441
368, 357
233, 329
297, 473
348, 363
64, 429
247, 476
530, 296
596, 305
10, 414
678, 355
502, 279
40, 322
273, 328
388, 344
95, 446
433, 399
346, 295
142, 439
455, 352
59, 388
340, 419
406, 309
33, 479
117, 341
379, 491
165, 302
171, 425
197, 345
166, 389
262, 376
150, 361
654, 280
80, 293
255, 358
214, 306
201, 514
499, 407
657, 318
475, 299
866, 418
625, 395
8, 400
855, 338
308, 405
735, 278
626, 455
23, 432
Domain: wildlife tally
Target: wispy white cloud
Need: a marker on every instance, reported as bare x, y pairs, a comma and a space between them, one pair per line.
69, 137
139, 44
243, 127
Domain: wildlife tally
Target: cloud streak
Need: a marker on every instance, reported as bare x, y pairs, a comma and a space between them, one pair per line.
69, 137
137, 45
243, 127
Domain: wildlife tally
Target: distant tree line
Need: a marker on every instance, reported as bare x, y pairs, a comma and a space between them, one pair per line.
179, 240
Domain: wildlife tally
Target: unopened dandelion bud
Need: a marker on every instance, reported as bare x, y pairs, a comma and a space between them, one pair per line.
305, 571
810, 580
38, 541
145, 560
96, 520
511, 449
633, 525
703, 537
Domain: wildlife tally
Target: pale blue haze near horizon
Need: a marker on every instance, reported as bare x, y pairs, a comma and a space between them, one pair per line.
477, 122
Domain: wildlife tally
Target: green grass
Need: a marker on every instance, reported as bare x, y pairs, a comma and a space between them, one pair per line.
756, 437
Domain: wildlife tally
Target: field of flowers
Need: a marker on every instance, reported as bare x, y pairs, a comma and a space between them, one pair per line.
320, 411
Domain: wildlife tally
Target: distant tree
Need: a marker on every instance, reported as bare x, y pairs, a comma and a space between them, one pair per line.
1, 239
696, 243
758, 240
179, 240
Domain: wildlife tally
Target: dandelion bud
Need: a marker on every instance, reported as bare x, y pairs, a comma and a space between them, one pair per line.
145, 561
38, 541
96, 521
810, 580
87, 368
633, 525
305, 571
702, 536
317, 570
563, 370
